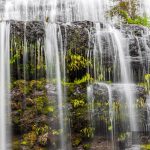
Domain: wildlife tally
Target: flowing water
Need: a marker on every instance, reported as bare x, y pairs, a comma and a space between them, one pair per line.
4, 86
56, 10
112, 70
55, 71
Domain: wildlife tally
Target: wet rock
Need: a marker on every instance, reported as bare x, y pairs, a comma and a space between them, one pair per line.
32, 30
133, 30
27, 120
38, 93
43, 139
15, 106
100, 92
51, 90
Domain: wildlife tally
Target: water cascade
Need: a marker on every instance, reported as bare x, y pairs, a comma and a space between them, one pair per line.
55, 70
58, 10
5, 120
74, 74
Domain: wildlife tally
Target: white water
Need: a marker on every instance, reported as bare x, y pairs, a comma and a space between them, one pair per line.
116, 47
145, 7
4, 87
65, 11
56, 10
55, 72
126, 78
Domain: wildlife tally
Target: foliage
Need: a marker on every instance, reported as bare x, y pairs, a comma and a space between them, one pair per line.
29, 139
145, 147
76, 62
147, 82
85, 79
128, 11
122, 137
87, 132
77, 141
40, 130
87, 146
77, 103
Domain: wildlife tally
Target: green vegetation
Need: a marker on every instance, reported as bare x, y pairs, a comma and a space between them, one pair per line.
127, 11
145, 147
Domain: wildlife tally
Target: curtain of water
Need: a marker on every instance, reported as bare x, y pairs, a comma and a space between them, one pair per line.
144, 7
5, 121
56, 10
111, 46
55, 71
126, 78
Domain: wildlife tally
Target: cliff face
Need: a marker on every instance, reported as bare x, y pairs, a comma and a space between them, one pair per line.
34, 114
79, 38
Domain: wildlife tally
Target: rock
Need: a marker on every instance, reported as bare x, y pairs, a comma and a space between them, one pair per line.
51, 89
43, 139
133, 30
15, 106
33, 30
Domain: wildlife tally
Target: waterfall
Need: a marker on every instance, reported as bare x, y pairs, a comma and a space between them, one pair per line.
54, 11
126, 79
93, 109
145, 7
115, 58
112, 62
5, 121
55, 71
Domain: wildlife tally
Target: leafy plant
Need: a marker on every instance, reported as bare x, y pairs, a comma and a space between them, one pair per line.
87, 132
76, 62
77, 103
87, 146
128, 12
86, 78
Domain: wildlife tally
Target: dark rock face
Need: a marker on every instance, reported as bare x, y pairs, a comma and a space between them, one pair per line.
78, 36
33, 119
133, 30
101, 92
33, 31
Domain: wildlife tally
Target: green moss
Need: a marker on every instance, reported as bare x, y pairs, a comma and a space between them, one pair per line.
145, 147
41, 102
29, 139
48, 109
87, 132
85, 79
76, 141
38, 84
87, 146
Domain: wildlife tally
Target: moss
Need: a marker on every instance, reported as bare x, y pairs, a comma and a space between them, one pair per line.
41, 102
29, 139
145, 147
38, 84
48, 109
76, 141
87, 146
87, 132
